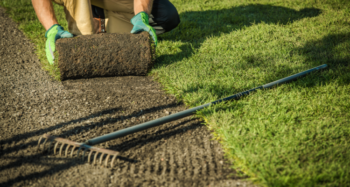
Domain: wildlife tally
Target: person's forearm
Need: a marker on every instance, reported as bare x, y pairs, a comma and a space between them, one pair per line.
44, 11
143, 5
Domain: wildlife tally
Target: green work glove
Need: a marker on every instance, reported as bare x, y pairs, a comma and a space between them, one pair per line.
54, 33
140, 22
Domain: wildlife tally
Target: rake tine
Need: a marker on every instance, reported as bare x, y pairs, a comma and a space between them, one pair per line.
44, 143
89, 157
39, 143
66, 152
95, 157
113, 159
84, 154
54, 149
101, 158
50, 145
106, 161
61, 149
79, 151
71, 154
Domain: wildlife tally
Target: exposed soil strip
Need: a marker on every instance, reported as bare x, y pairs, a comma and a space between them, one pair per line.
104, 55
180, 153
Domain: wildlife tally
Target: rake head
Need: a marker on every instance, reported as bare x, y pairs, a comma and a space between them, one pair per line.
63, 146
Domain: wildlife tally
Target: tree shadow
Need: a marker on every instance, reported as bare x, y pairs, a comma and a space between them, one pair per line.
197, 26
37, 175
143, 140
80, 129
333, 50
164, 133
72, 162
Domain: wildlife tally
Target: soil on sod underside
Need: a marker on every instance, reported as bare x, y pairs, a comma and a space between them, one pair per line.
179, 153
104, 55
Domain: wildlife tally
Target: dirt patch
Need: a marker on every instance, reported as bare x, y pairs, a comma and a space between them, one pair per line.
104, 55
179, 153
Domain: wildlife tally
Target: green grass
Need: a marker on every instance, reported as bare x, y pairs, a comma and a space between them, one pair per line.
296, 134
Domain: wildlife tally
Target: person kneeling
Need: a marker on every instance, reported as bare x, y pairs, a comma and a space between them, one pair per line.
86, 17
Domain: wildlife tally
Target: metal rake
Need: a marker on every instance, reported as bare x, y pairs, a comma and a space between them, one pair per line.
62, 145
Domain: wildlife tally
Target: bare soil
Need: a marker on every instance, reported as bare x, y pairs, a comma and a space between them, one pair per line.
179, 153
104, 55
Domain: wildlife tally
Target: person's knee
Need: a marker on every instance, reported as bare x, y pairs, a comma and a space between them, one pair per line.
165, 15
173, 20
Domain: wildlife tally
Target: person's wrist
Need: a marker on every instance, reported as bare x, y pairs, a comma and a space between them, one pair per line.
141, 16
141, 12
48, 30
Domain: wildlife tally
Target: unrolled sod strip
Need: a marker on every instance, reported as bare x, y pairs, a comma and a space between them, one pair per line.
104, 55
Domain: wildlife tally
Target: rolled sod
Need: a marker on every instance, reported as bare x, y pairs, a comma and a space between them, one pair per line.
104, 55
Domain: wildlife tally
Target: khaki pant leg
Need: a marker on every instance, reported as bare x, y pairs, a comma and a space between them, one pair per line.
118, 14
119, 22
79, 16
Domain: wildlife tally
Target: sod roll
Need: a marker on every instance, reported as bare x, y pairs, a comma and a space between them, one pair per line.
104, 55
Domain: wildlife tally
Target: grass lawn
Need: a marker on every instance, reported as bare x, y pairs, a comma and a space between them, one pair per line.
296, 134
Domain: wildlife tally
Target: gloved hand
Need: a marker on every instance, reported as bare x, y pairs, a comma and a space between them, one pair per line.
54, 33
140, 22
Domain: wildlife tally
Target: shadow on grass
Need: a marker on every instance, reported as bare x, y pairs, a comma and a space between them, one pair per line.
197, 26
333, 50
